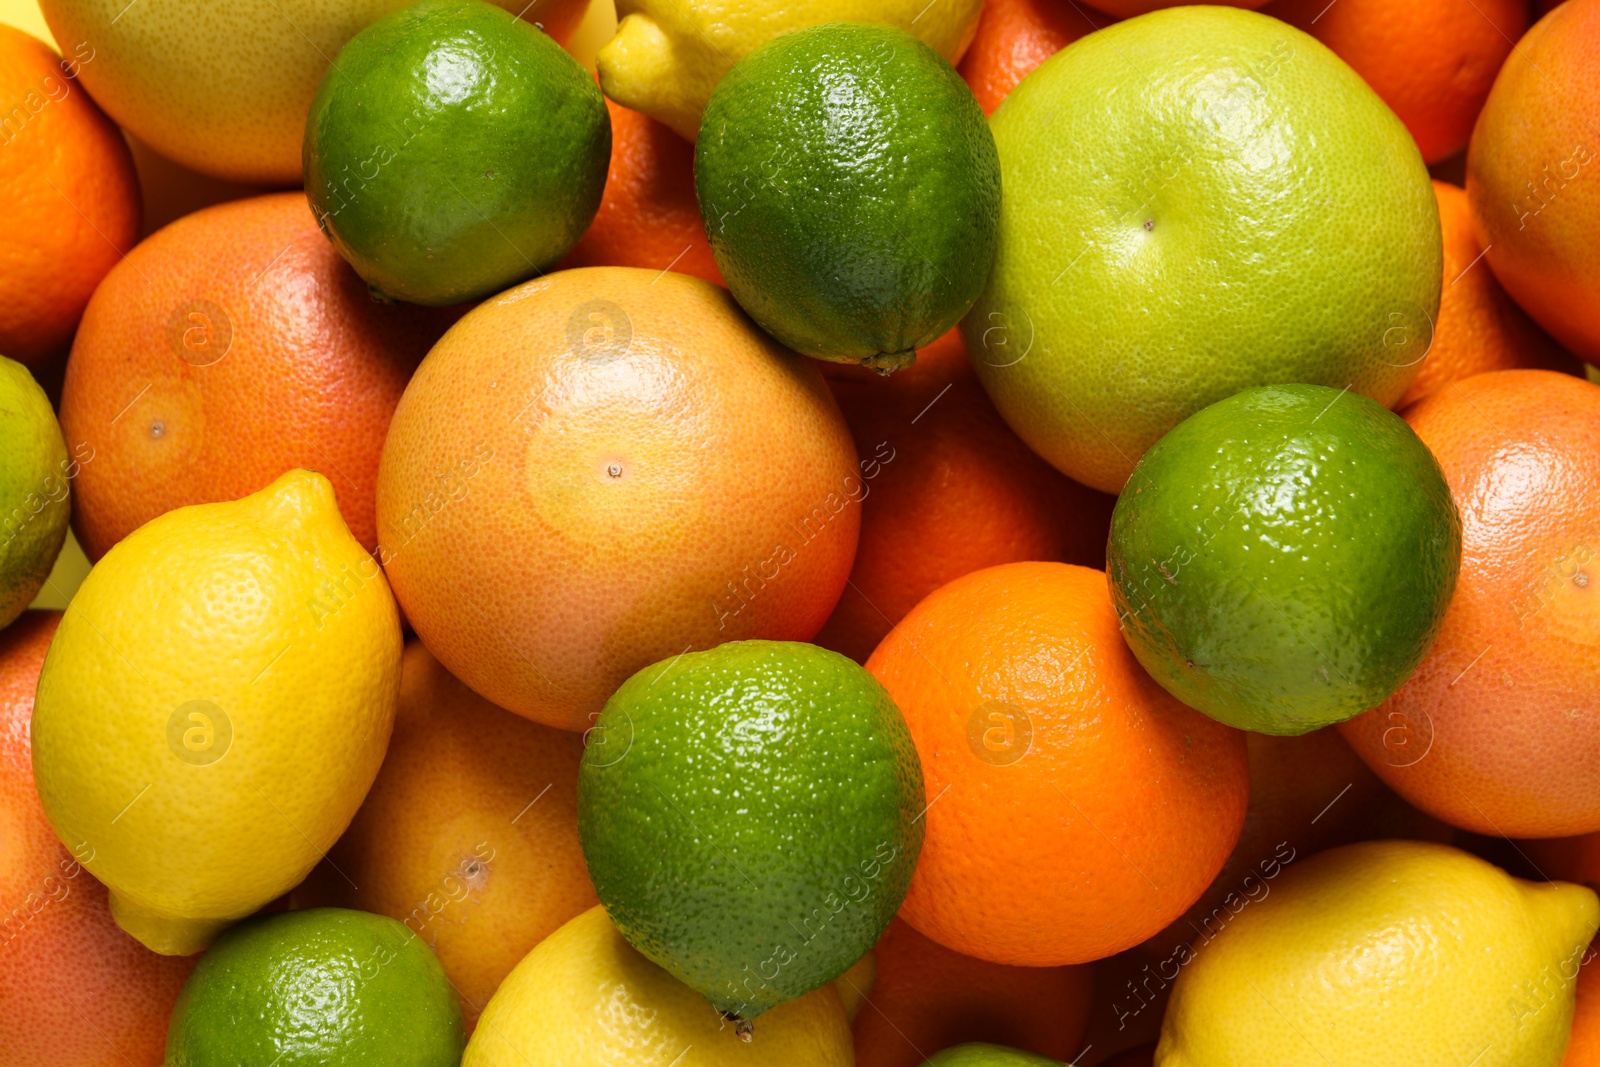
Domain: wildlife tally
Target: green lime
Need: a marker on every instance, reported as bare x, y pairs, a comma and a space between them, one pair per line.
751, 816
1282, 559
35, 475
454, 150
850, 189
317, 987
1198, 201
980, 1055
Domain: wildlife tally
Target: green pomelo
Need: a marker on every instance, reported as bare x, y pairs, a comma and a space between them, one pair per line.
751, 816
1197, 201
1283, 559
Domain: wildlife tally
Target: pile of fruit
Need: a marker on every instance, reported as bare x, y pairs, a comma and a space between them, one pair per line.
727, 533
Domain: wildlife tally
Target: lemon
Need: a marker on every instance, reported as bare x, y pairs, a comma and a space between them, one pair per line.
1384, 953
668, 55
585, 996
214, 707
35, 476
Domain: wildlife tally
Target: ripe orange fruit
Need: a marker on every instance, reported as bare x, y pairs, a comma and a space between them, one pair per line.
1432, 61
469, 836
71, 196
950, 489
927, 998
1530, 176
648, 215
1498, 731
1480, 328
1075, 808
228, 348
75, 990
605, 468
1015, 36
1583, 1048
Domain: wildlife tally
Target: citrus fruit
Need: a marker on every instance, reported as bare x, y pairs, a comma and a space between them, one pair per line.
1385, 952
1143, 1056
648, 215
324, 985
1282, 559
1014, 37
1307, 794
1496, 732
1129, 8
35, 483
1583, 1048
856, 984
980, 1055
840, 251
453, 151
469, 836
567, 493
1480, 328
62, 958
1432, 62
750, 894
224, 90
668, 55
1074, 807
215, 705
585, 996
927, 997
71, 194
228, 348
949, 490
1197, 201
1536, 211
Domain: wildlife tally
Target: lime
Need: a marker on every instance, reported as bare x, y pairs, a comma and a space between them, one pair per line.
321, 986
981, 1055
454, 150
850, 189
35, 473
1198, 201
751, 816
1282, 560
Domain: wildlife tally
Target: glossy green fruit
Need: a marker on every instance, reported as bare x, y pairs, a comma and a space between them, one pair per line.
313, 988
851, 192
454, 150
1282, 559
1197, 201
981, 1055
751, 816
35, 475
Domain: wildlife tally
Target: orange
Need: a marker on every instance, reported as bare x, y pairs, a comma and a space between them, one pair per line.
470, 833
75, 991
71, 196
605, 468
648, 215
1480, 328
1583, 1049
228, 348
1498, 731
1014, 37
1075, 808
1432, 61
1531, 176
949, 490
927, 998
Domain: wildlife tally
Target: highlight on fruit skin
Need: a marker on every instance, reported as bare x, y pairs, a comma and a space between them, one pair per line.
215, 706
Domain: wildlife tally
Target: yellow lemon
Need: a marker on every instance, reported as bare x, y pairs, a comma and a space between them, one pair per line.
214, 707
1385, 953
223, 88
585, 996
668, 55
